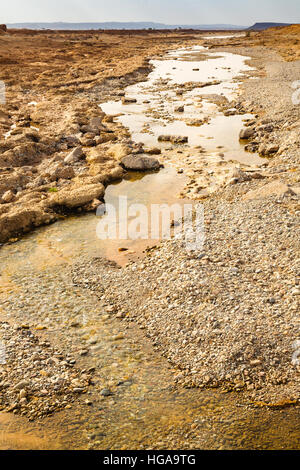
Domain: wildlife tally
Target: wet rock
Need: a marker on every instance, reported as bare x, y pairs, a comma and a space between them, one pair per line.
116, 173
140, 163
22, 219
78, 196
127, 100
92, 206
252, 147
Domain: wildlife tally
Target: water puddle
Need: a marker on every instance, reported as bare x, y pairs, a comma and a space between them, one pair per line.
182, 97
224, 36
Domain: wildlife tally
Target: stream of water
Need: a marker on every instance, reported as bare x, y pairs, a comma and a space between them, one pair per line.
150, 413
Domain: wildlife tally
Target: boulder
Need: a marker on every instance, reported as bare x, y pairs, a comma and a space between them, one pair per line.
22, 220
77, 197
247, 133
140, 163
196, 122
164, 138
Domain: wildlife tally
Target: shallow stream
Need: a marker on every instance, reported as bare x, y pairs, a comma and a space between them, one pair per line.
147, 411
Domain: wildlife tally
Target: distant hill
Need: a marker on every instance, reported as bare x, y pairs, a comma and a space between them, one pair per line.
115, 25
262, 26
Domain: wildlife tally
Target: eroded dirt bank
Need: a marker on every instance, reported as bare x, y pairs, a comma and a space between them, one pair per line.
227, 317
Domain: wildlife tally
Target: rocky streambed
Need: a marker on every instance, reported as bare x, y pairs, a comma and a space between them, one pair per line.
215, 333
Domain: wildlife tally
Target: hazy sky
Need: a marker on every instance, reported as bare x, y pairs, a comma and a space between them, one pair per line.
242, 12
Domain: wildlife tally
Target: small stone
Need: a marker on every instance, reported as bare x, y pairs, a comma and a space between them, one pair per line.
106, 392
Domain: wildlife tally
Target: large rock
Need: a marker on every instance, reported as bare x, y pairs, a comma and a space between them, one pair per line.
21, 220
140, 163
77, 197
76, 155
247, 133
3, 28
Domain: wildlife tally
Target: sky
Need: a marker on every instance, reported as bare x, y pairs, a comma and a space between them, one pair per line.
240, 12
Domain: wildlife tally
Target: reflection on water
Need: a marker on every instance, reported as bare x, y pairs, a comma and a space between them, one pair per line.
154, 113
64, 240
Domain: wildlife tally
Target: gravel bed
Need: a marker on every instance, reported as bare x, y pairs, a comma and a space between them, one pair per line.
35, 378
227, 316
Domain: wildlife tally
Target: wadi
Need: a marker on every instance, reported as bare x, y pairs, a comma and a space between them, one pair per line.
149, 342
